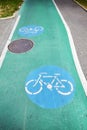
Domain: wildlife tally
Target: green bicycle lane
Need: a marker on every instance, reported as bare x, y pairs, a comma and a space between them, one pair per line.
51, 49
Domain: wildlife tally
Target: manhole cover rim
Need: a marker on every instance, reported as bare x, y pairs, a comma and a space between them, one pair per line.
20, 50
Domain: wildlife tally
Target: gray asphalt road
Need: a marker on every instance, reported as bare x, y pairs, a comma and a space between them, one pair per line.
6, 26
76, 19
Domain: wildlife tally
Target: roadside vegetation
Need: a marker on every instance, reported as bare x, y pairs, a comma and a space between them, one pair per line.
82, 3
8, 7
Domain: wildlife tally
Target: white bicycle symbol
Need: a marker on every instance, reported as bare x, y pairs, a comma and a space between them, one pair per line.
31, 30
56, 83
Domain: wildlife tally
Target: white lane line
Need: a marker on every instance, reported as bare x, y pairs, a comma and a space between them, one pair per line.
8, 41
74, 54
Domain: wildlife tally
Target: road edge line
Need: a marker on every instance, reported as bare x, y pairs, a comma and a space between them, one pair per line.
8, 41
74, 54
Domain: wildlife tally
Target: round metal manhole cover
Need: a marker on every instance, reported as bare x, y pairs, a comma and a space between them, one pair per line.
20, 46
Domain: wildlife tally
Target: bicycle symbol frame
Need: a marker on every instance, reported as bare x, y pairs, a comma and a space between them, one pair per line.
31, 30
56, 83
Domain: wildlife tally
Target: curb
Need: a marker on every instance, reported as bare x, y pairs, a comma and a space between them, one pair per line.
80, 5
14, 14
9, 17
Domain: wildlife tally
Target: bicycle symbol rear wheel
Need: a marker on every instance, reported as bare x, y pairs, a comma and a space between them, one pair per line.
24, 30
33, 89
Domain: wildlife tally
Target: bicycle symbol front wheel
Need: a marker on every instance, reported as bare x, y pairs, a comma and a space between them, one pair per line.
66, 88
39, 28
33, 89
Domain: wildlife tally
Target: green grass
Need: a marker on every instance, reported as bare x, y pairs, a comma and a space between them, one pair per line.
8, 7
82, 3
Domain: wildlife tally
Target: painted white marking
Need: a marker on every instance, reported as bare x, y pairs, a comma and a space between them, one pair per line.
33, 93
7, 43
74, 54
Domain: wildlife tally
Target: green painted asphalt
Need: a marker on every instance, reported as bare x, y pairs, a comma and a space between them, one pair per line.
52, 47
